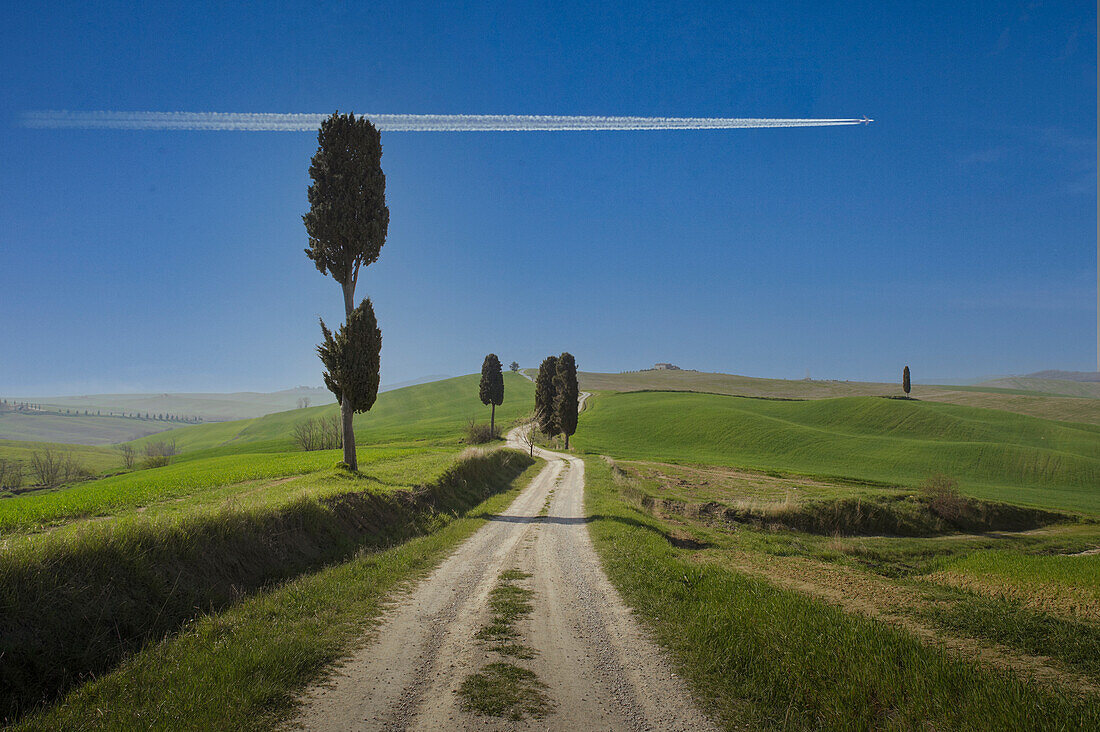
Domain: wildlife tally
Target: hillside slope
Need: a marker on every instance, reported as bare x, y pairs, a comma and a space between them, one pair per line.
432, 411
1036, 403
1064, 387
992, 453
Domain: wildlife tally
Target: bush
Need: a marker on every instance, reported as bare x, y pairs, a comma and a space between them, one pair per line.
323, 433
46, 467
479, 434
941, 493
158, 454
11, 474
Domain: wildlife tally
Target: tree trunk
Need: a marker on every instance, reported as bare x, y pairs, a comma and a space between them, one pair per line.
346, 415
493, 422
567, 442
349, 301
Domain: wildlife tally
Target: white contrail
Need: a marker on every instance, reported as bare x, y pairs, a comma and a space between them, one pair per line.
255, 122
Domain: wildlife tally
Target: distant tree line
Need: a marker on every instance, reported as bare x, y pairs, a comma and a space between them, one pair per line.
39, 409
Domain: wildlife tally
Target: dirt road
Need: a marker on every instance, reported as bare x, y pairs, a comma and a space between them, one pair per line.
599, 670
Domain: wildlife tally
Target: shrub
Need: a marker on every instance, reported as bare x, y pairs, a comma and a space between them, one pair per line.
11, 474
46, 467
324, 433
158, 454
941, 493
128, 453
480, 433
72, 469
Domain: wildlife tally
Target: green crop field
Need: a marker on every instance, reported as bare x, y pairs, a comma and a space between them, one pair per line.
76, 429
436, 411
1035, 402
95, 459
993, 454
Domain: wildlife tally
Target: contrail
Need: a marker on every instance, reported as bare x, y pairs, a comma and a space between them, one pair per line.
256, 122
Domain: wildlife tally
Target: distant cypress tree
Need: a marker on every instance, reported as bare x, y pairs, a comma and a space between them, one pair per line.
352, 362
566, 393
491, 389
544, 396
905, 380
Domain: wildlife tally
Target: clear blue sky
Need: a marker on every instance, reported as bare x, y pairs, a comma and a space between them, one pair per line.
957, 234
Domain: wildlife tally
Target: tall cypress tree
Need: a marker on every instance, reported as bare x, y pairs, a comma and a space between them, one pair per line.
905, 380
544, 396
491, 389
347, 224
566, 394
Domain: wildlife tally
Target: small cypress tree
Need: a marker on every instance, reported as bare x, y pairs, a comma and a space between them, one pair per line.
514, 367
905, 380
566, 394
544, 396
491, 389
352, 362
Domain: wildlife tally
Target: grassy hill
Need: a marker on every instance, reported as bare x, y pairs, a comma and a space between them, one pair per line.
209, 406
435, 411
76, 429
1036, 402
1062, 387
994, 454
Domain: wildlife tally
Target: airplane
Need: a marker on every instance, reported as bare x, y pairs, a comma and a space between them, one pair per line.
865, 120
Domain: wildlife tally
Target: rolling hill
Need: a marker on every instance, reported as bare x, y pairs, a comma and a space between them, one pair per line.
994, 454
432, 411
1036, 402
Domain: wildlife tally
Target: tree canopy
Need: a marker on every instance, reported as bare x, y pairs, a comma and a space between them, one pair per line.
544, 396
566, 394
491, 389
352, 358
905, 385
348, 218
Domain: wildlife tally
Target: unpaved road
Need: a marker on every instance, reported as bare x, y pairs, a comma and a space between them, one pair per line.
600, 670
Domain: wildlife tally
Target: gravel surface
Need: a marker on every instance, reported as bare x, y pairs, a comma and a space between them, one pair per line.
600, 669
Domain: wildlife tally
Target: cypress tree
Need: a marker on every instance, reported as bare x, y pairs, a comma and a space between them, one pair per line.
544, 396
566, 394
347, 225
905, 380
352, 358
491, 389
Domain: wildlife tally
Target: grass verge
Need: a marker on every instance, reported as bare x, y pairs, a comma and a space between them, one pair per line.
769, 658
75, 607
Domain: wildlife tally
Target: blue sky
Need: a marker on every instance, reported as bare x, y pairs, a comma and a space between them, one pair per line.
957, 234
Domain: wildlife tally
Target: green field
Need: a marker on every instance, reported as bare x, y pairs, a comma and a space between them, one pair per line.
77, 429
765, 650
1087, 389
1036, 401
437, 411
95, 459
209, 480
213, 406
993, 454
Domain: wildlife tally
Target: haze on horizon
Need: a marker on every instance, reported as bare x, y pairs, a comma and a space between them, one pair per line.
957, 234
